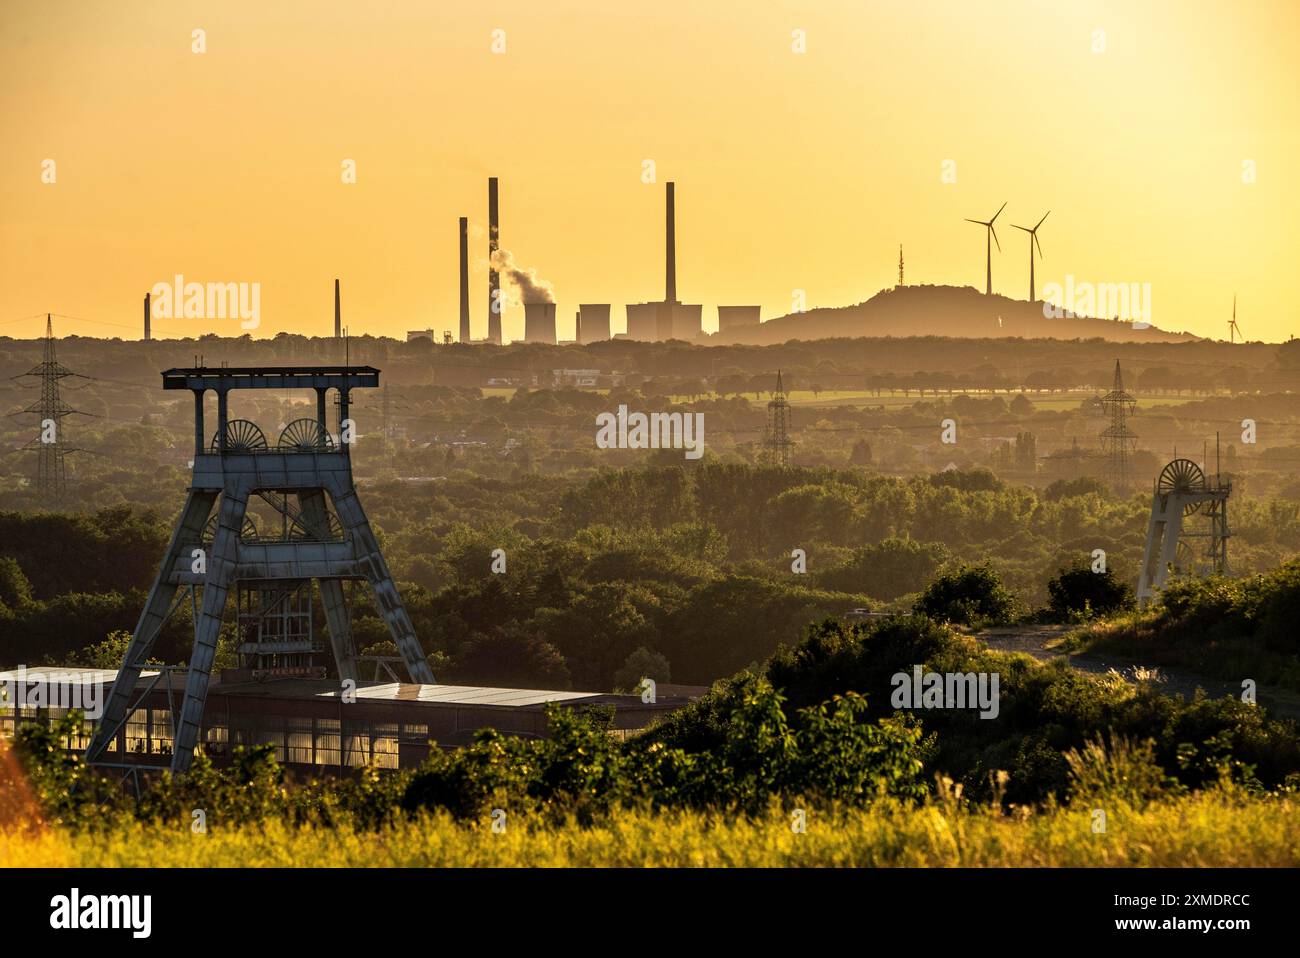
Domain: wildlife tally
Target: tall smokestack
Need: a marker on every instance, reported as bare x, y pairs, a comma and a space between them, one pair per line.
147, 334
464, 279
338, 313
494, 280
670, 292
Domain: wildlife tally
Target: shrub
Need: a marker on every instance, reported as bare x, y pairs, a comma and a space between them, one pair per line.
968, 595
1080, 593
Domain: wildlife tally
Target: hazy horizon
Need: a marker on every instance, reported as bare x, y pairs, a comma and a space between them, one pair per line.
793, 171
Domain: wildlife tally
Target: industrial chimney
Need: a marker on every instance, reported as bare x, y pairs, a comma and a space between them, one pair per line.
464, 279
338, 313
494, 280
670, 291
147, 334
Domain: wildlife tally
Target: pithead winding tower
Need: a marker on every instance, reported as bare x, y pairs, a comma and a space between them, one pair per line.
306, 480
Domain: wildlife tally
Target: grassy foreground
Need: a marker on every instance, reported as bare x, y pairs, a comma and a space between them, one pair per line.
1212, 828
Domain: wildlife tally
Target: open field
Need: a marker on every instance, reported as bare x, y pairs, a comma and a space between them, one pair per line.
1215, 829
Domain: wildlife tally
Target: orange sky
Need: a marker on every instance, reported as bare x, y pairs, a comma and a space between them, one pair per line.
793, 171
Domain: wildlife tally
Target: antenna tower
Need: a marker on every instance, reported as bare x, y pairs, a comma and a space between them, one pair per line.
900, 264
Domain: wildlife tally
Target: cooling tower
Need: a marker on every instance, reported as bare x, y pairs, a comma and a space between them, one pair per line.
595, 322
539, 323
687, 321
729, 317
643, 321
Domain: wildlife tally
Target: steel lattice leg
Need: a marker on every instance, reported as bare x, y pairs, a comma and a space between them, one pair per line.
198, 506
372, 563
221, 570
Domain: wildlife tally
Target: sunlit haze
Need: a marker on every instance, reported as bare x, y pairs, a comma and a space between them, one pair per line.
794, 171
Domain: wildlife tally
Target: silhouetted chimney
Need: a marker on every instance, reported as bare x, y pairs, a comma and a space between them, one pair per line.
670, 292
464, 279
338, 313
147, 334
494, 280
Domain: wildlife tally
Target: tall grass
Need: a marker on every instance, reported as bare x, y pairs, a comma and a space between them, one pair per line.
1218, 827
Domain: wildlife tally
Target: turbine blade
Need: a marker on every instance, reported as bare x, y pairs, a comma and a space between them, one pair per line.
1025, 228
980, 222
1038, 244
997, 214
995, 236
1045, 216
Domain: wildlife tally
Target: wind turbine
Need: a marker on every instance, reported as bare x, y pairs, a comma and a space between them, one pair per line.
1033, 241
988, 247
1233, 329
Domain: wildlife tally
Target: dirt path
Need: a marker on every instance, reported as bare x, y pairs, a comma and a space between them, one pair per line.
1035, 641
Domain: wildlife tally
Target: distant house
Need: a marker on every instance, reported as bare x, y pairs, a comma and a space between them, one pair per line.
580, 378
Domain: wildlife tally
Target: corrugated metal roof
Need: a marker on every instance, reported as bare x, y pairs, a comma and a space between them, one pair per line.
463, 694
68, 675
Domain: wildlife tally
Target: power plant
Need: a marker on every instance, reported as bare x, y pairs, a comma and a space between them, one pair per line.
669, 319
593, 323
539, 323
737, 318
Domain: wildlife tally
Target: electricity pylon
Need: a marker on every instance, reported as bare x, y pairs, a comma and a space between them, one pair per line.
1118, 441
776, 440
50, 410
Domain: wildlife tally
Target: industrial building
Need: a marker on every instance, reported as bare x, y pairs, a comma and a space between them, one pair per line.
539, 323
311, 723
593, 323
737, 318
671, 318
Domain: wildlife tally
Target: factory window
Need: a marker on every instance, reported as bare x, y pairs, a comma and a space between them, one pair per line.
273, 737
216, 741
384, 743
160, 732
298, 740
356, 744
137, 732
327, 742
